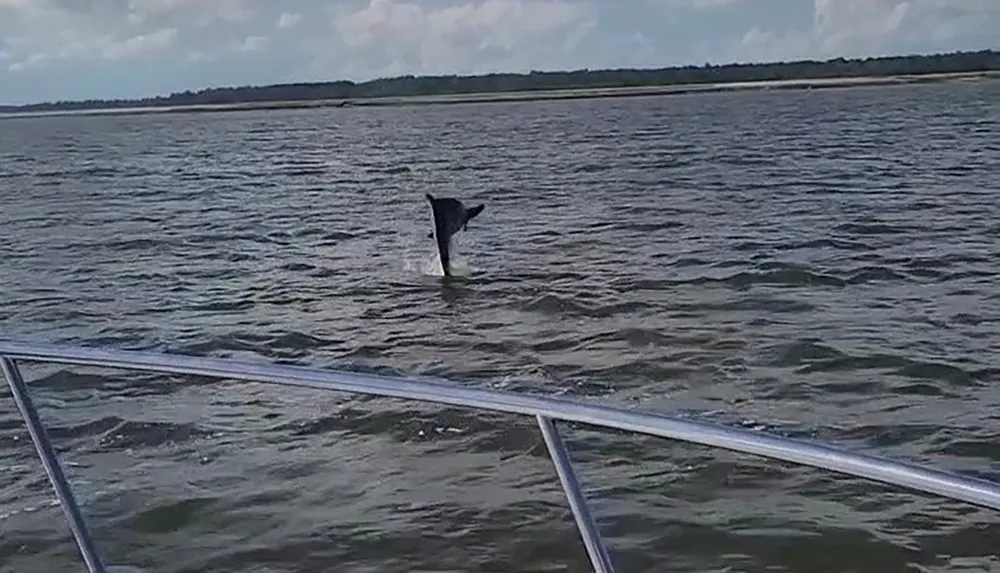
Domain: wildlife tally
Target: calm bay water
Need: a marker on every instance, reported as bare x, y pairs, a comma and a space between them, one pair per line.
817, 264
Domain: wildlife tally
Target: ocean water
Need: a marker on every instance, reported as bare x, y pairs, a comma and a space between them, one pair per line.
818, 264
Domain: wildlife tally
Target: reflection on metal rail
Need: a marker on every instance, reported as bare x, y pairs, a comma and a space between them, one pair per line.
546, 410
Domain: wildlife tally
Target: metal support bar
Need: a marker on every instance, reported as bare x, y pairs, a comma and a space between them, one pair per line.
585, 523
52, 467
978, 491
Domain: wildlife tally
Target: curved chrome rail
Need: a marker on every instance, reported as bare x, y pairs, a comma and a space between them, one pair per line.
544, 409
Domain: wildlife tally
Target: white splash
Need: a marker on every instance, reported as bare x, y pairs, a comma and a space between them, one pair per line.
429, 262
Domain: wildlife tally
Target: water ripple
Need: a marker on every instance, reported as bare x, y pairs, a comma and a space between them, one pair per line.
816, 264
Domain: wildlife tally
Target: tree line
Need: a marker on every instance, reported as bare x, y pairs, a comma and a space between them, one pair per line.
409, 85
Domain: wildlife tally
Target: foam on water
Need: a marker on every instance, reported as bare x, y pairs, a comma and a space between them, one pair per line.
429, 264
427, 261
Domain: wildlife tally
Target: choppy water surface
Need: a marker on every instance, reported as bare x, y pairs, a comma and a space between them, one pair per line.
818, 264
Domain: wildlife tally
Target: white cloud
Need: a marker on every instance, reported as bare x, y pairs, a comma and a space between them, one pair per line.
287, 20
263, 41
762, 45
714, 3
112, 30
852, 28
844, 24
389, 37
696, 4
140, 46
32, 62
254, 44
865, 25
199, 12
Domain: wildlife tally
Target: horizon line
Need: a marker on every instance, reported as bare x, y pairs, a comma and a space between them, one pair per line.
541, 72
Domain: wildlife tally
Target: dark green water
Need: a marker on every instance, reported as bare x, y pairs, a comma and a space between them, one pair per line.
818, 264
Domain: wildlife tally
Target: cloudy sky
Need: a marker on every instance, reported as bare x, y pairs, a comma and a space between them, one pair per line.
72, 49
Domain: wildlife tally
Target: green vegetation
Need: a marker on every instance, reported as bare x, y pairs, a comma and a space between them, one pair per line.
615, 82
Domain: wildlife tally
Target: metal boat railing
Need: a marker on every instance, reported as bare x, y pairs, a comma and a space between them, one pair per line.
546, 411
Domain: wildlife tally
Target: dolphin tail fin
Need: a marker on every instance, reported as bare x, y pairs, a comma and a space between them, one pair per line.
473, 211
429, 197
470, 214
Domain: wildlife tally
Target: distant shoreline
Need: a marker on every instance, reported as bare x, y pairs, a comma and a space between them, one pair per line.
531, 95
